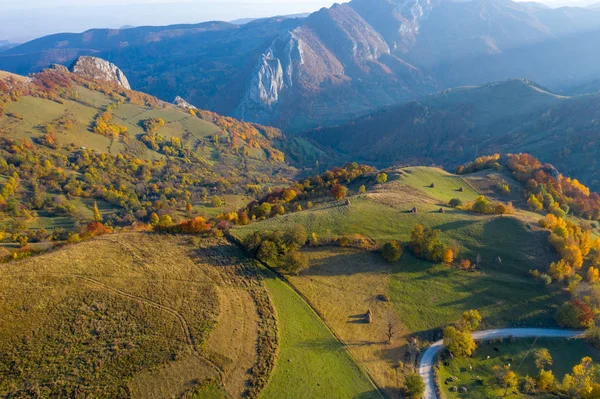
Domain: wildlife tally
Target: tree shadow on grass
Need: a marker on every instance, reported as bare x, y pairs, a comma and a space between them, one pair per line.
459, 224
346, 262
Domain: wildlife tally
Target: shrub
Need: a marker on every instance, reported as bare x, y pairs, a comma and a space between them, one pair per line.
528, 385
414, 386
455, 203
382, 178
592, 336
216, 202
392, 251
545, 278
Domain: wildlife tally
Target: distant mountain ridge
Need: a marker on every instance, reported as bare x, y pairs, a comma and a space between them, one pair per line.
453, 126
340, 62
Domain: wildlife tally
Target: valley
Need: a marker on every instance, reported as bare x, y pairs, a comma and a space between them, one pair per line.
380, 199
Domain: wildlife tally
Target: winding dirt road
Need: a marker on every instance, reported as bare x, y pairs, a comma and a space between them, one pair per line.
428, 359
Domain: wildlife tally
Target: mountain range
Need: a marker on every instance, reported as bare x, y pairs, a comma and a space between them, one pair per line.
341, 62
450, 127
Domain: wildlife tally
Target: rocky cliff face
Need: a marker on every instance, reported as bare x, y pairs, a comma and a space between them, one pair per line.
97, 68
273, 73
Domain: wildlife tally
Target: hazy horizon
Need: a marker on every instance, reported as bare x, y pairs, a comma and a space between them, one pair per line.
35, 18
30, 19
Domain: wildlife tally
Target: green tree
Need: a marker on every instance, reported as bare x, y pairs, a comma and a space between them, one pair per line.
294, 262
216, 202
362, 189
455, 203
481, 205
568, 316
154, 219
414, 386
268, 253
382, 178
295, 237
392, 251
528, 385
97, 215
460, 343
469, 321
534, 204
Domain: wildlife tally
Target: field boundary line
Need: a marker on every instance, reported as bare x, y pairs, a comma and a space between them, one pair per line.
277, 274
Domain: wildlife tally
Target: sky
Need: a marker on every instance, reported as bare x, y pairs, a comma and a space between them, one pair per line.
23, 20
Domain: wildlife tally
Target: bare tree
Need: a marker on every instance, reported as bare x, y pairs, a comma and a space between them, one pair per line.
390, 327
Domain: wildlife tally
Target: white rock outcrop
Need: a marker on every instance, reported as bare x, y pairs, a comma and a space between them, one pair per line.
97, 68
272, 74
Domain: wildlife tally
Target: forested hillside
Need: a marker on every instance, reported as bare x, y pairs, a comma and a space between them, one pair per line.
71, 147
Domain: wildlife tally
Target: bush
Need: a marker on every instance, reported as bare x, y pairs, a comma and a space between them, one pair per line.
528, 385
545, 278
382, 178
392, 251
414, 386
455, 203
592, 336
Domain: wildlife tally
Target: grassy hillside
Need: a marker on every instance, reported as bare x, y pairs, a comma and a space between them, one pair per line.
68, 143
147, 316
420, 297
311, 360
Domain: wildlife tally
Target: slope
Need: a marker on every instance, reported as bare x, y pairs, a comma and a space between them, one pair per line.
417, 297
68, 142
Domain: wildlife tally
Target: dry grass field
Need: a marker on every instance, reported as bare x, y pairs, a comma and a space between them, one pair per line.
128, 315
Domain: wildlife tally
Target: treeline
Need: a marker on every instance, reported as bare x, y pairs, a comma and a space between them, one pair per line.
545, 188
578, 268
332, 183
484, 206
279, 249
549, 190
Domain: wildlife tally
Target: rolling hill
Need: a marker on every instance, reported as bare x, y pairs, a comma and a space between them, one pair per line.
69, 143
455, 125
341, 62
